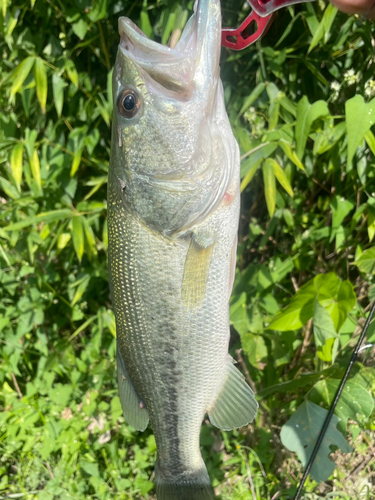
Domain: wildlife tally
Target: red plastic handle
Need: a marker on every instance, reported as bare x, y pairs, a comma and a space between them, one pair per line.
253, 27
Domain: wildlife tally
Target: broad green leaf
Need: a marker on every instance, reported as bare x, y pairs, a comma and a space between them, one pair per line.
355, 402
306, 114
250, 174
21, 73
366, 261
41, 83
78, 236
269, 186
298, 312
80, 28
44, 217
248, 101
360, 116
301, 432
341, 304
280, 176
324, 328
58, 85
291, 154
16, 164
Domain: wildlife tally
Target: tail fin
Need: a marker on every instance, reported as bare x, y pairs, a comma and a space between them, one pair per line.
193, 486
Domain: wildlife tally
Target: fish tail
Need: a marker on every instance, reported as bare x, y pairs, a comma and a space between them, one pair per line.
193, 486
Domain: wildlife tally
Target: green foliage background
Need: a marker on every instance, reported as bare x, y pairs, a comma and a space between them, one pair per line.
300, 103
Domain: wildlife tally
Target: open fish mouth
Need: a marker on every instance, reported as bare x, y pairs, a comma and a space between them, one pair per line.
173, 68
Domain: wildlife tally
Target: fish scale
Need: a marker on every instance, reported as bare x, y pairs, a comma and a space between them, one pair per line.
173, 209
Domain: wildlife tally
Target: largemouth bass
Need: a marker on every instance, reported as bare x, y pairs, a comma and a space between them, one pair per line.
173, 210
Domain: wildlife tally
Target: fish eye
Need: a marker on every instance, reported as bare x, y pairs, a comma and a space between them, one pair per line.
128, 103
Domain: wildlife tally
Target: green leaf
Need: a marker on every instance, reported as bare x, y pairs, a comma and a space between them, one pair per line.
41, 83
306, 114
58, 85
145, 24
301, 432
44, 217
72, 72
360, 116
81, 288
324, 330
76, 161
238, 314
340, 209
248, 101
371, 222
355, 402
16, 164
304, 381
370, 139
168, 27
298, 312
291, 154
35, 169
20, 74
269, 186
366, 261
280, 176
80, 28
99, 11
91, 469
9, 189
250, 174
78, 236
324, 26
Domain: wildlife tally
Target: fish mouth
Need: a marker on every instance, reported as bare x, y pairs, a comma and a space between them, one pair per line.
172, 68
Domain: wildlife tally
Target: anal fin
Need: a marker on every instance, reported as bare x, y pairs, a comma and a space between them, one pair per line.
132, 406
235, 405
197, 266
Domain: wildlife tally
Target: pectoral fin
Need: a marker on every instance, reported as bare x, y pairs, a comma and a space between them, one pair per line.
197, 265
235, 405
134, 411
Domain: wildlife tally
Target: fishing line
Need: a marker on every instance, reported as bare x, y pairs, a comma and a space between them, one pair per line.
335, 401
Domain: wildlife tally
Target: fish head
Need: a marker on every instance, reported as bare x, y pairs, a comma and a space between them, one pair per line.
169, 122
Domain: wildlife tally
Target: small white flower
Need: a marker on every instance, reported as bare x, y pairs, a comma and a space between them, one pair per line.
335, 86
351, 77
370, 88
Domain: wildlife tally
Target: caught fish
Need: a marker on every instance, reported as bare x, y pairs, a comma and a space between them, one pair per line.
173, 210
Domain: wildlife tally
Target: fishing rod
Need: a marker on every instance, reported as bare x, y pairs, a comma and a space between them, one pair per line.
335, 401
